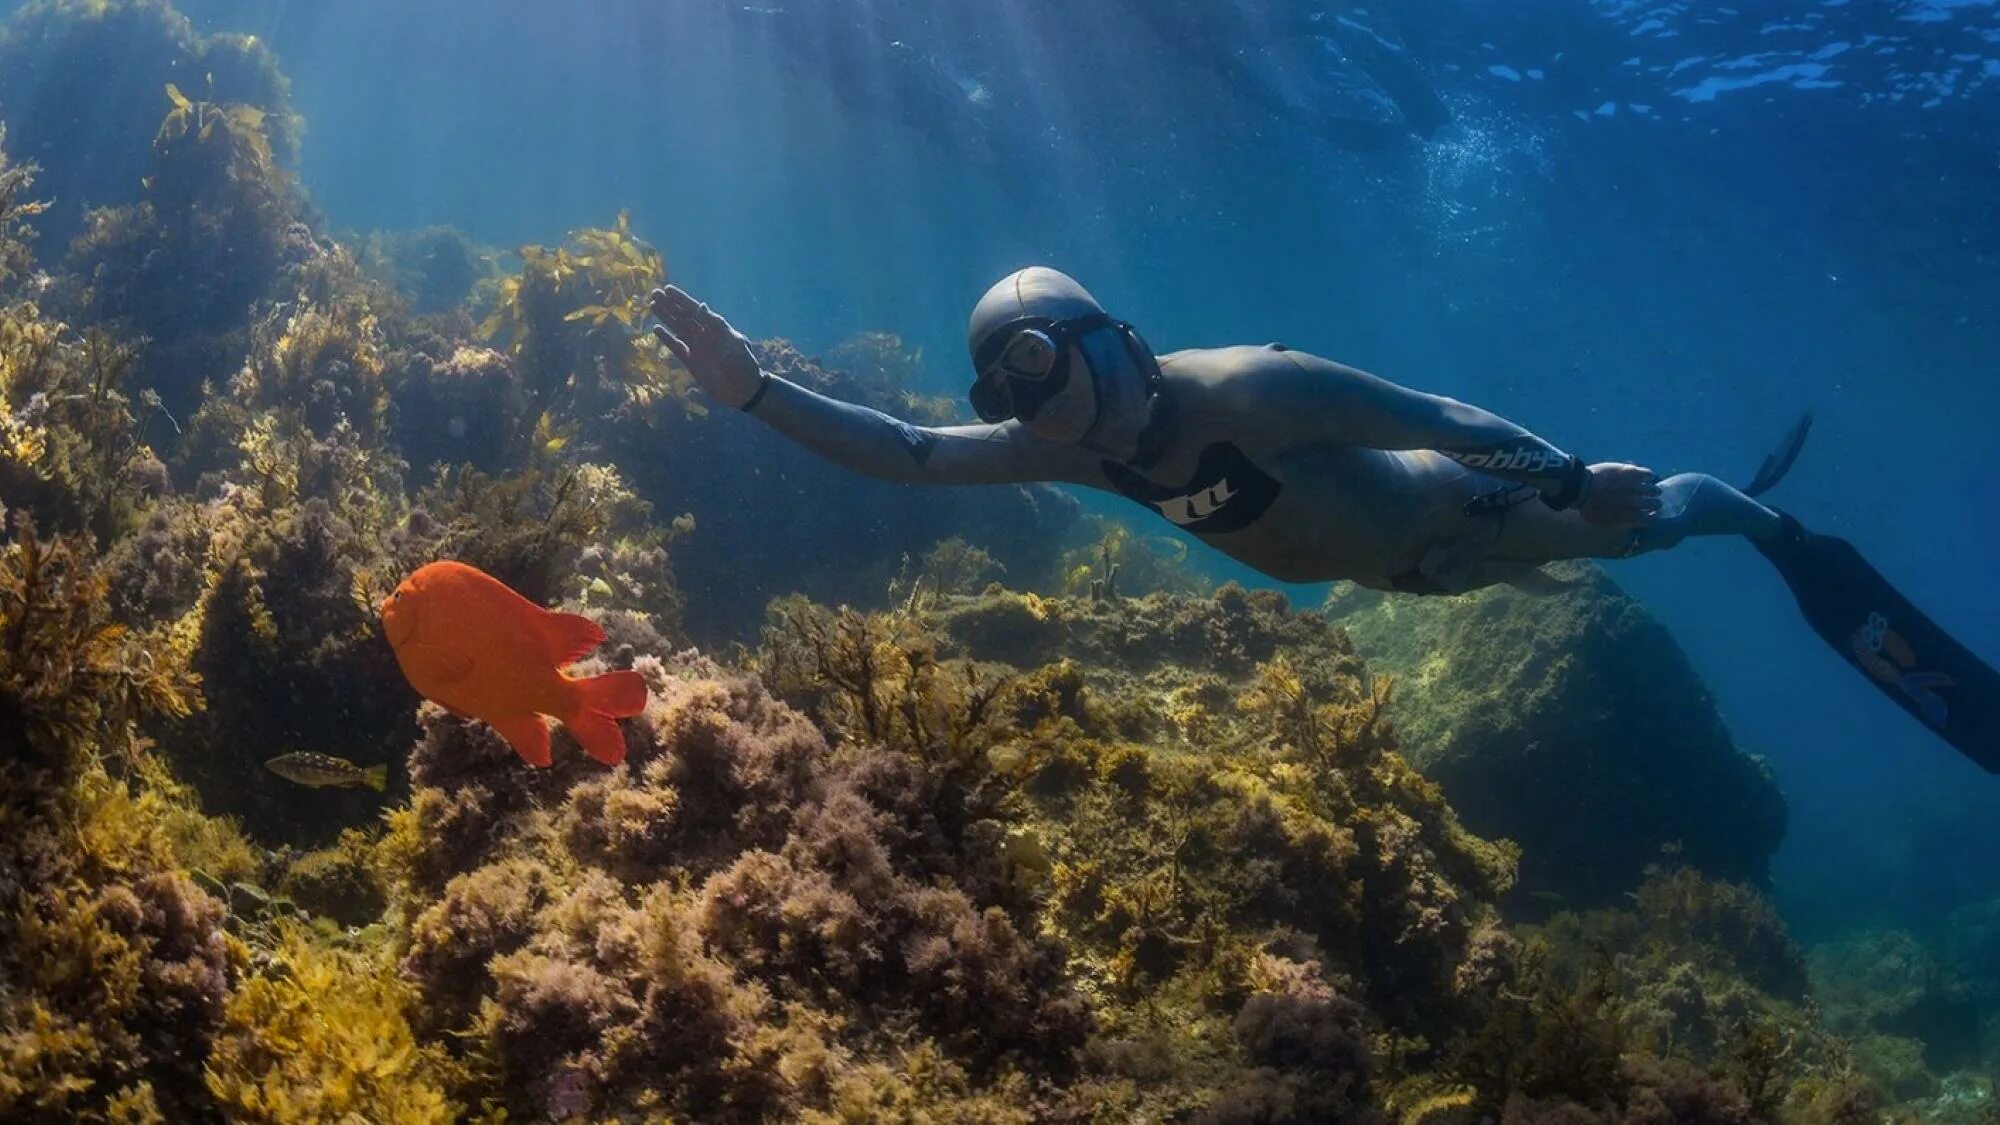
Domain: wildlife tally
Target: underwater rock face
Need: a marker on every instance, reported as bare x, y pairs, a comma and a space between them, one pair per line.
1572, 724
1971, 952
1886, 983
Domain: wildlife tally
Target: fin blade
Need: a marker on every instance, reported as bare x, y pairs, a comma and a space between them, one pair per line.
376, 777
570, 637
528, 735
1881, 633
1781, 460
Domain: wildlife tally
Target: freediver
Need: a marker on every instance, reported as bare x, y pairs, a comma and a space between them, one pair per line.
1308, 471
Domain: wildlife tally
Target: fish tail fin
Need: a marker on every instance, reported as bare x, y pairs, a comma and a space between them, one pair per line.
376, 777
617, 695
600, 702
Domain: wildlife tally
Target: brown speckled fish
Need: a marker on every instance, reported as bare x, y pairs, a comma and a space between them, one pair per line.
324, 770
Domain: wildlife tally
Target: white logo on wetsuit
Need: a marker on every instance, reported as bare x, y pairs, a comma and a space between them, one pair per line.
1518, 460
1226, 492
1196, 506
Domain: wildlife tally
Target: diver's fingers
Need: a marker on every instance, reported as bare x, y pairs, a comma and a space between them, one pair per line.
674, 294
694, 321
713, 323
665, 299
671, 303
674, 343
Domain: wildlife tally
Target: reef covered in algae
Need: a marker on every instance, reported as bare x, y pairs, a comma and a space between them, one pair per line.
1568, 720
1045, 830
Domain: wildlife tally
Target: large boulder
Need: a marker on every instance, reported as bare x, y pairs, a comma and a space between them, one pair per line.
1569, 721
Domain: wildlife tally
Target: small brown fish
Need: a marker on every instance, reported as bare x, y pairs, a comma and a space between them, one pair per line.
323, 770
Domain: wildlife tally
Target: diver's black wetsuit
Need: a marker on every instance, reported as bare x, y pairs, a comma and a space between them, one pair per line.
1309, 470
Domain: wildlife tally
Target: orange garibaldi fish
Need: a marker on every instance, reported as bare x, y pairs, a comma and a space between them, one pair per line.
478, 649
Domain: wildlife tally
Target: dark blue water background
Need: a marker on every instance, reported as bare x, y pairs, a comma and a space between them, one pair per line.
1652, 233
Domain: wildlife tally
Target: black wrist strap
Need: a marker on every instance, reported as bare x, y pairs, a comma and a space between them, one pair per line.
1576, 478
763, 384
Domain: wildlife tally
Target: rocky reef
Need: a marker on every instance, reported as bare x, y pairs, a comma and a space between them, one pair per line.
1568, 720
1043, 831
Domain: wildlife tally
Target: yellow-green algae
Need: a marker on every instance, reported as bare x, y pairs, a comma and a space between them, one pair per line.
1565, 716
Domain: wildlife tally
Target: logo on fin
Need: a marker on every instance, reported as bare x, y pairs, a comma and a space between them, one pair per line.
1884, 654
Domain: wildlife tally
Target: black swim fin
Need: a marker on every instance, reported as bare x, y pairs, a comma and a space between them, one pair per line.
1780, 462
1901, 651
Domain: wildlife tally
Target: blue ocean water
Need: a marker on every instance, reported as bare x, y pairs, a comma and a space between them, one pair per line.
1649, 232
1653, 232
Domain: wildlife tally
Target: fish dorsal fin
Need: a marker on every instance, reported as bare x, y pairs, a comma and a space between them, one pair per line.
568, 637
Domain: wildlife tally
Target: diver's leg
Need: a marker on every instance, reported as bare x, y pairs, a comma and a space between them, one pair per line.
1845, 600
1691, 504
1535, 533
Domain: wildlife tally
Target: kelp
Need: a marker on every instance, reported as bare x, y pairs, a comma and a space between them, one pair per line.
573, 320
319, 1033
238, 126
70, 442
1119, 563
53, 58
17, 237
877, 680
279, 621
540, 529
220, 221
952, 568
71, 680
113, 962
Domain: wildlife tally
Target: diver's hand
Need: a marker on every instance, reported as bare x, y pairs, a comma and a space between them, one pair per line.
717, 355
1620, 495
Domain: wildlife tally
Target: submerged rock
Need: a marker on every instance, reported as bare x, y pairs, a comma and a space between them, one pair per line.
1886, 983
1571, 723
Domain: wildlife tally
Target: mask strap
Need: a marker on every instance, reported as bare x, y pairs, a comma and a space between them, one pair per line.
1140, 356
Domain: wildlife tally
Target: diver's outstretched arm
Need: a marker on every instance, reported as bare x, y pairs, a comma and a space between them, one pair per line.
1319, 400
874, 444
855, 437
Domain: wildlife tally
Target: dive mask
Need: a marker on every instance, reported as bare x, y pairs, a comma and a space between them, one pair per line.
1023, 365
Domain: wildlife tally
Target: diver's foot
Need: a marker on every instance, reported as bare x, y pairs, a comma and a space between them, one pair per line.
1699, 504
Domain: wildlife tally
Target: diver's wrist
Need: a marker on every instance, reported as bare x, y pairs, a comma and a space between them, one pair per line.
1575, 487
757, 396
